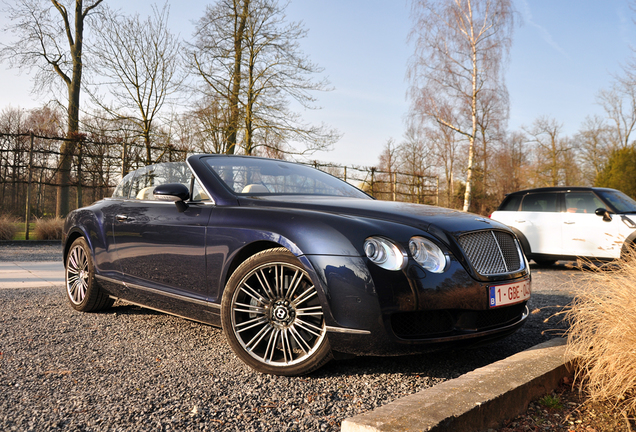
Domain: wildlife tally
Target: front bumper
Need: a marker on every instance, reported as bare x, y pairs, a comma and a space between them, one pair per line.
371, 311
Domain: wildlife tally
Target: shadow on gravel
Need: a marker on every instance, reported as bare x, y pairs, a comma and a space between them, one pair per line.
581, 265
130, 309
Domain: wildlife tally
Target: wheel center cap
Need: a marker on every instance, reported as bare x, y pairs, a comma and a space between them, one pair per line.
281, 313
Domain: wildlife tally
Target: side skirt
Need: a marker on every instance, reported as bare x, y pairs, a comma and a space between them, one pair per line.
170, 303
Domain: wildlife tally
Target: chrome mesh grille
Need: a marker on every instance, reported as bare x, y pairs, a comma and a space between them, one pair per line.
491, 252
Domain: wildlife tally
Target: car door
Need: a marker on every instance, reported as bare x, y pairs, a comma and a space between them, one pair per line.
539, 219
584, 233
160, 249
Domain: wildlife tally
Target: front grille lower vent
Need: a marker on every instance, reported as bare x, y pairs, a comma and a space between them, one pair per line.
447, 322
492, 252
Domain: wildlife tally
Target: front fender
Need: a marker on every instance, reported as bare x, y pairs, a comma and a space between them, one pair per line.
96, 227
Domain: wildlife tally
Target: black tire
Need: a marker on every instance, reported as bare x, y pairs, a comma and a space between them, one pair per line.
82, 290
544, 263
628, 251
272, 317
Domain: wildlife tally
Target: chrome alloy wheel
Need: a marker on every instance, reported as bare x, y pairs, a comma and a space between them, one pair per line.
77, 274
276, 315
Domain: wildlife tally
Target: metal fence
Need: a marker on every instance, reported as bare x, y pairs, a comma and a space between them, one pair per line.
29, 167
386, 185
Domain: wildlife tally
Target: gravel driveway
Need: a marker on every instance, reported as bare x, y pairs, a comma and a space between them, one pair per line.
132, 369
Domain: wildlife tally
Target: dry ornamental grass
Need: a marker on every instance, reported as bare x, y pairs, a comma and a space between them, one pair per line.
8, 228
602, 335
49, 229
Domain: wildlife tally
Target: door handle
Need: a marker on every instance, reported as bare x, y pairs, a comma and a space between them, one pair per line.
121, 217
520, 221
569, 223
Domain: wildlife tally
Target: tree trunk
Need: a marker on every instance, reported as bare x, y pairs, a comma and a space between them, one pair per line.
471, 139
236, 79
74, 85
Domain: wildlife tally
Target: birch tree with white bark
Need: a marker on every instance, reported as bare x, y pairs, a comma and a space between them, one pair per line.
460, 49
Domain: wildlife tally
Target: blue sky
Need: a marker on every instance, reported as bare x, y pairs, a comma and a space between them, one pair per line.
563, 53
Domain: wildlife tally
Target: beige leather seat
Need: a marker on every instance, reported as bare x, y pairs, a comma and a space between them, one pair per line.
146, 193
201, 196
255, 188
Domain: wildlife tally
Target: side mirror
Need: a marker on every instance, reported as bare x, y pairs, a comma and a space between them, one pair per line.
175, 192
607, 217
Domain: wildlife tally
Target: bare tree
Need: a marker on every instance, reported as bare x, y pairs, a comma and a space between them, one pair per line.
217, 57
415, 160
389, 165
552, 151
210, 122
491, 122
460, 47
251, 65
50, 40
137, 60
22, 157
619, 103
444, 145
512, 165
594, 140
277, 72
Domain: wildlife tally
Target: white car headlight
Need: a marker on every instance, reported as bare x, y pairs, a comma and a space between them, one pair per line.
384, 253
427, 254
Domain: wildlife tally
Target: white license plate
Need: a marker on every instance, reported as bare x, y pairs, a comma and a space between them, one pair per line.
501, 295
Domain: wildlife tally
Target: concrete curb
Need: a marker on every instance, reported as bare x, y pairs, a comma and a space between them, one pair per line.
29, 242
481, 399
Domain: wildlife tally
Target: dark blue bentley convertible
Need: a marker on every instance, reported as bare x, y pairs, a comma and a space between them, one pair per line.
295, 264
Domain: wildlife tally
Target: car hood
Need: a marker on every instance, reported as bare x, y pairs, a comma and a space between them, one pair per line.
429, 218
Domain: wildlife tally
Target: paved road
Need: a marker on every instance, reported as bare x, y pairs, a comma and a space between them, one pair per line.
31, 274
134, 369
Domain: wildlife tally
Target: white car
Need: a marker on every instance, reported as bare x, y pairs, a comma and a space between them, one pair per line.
570, 222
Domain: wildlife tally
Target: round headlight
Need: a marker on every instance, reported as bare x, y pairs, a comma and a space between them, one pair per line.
427, 254
384, 253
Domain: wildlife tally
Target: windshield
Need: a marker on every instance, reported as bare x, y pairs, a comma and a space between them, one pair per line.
621, 202
254, 176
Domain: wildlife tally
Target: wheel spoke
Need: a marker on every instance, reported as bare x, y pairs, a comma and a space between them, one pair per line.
300, 341
250, 324
293, 285
313, 311
288, 354
72, 291
252, 293
309, 327
278, 281
262, 279
82, 290
259, 336
81, 259
78, 291
271, 345
248, 309
73, 261
305, 296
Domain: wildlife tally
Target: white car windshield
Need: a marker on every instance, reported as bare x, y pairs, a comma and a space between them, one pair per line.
621, 202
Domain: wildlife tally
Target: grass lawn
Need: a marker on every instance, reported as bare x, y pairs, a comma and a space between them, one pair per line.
20, 234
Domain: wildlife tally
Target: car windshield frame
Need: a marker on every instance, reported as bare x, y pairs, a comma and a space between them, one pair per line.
620, 202
254, 176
